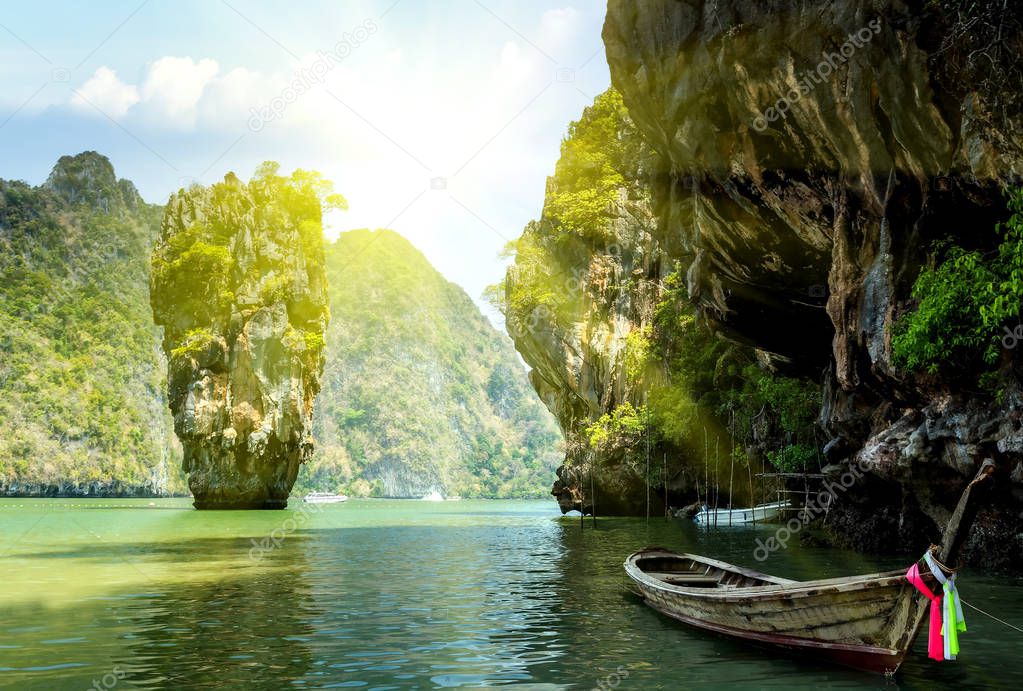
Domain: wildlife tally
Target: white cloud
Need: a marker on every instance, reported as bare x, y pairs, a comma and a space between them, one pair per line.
226, 101
174, 86
106, 92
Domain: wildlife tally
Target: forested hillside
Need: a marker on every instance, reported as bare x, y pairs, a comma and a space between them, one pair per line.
420, 392
82, 408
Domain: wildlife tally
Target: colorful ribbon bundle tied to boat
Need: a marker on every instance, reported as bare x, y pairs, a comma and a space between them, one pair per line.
947, 621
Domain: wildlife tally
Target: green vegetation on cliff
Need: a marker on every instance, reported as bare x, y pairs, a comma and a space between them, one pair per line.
420, 392
595, 176
196, 264
966, 303
765, 413
81, 375
596, 163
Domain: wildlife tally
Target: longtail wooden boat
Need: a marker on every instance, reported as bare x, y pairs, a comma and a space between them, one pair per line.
867, 622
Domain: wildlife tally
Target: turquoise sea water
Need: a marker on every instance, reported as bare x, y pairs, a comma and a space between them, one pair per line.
381, 594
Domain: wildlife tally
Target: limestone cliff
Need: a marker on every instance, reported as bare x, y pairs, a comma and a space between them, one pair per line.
582, 283
811, 154
643, 390
239, 287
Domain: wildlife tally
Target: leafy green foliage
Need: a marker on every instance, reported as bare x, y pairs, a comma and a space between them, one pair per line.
623, 424
195, 342
1006, 295
793, 458
595, 174
637, 353
722, 386
964, 303
536, 284
589, 172
947, 326
783, 409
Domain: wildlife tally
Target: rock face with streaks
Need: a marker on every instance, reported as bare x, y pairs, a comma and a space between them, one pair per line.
583, 289
811, 154
579, 352
238, 284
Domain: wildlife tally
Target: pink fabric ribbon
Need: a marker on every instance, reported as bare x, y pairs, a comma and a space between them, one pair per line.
935, 642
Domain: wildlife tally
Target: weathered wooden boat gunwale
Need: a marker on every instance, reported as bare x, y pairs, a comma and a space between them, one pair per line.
758, 592
867, 621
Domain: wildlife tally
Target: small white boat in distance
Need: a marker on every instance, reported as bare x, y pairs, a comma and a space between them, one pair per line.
434, 496
324, 498
720, 517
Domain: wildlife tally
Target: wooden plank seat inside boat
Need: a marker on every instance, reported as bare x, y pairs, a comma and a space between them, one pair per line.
690, 571
686, 578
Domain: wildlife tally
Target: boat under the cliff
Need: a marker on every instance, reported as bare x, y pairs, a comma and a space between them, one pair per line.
867, 622
324, 498
725, 517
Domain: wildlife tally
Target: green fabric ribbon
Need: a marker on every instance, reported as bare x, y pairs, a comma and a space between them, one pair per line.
954, 623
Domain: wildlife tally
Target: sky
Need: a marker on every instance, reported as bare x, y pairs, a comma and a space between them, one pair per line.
440, 119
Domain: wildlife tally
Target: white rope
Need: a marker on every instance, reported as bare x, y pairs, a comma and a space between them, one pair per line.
1000, 621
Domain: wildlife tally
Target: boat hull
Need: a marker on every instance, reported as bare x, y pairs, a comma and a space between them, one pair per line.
325, 499
864, 622
876, 661
726, 517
